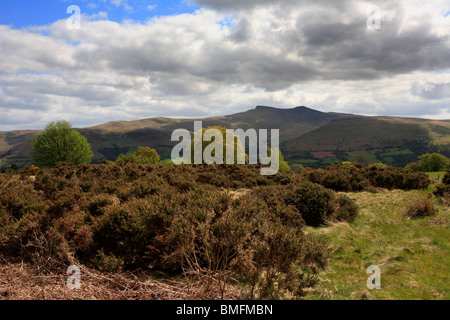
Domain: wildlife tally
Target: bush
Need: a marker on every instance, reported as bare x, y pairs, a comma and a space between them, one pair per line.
419, 208
443, 189
144, 155
342, 177
173, 219
446, 178
346, 209
349, 178
314, 202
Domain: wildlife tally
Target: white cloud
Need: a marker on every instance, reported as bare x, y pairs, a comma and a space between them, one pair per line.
228, 59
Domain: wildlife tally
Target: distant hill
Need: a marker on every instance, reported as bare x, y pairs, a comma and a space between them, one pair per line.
307, 136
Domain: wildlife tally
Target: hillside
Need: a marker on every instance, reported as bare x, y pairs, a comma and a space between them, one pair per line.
392, 140
307, 136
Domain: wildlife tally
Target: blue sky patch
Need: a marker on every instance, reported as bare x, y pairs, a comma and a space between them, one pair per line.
26, 13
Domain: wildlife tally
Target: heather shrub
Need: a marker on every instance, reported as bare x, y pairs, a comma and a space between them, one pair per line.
396, 178
19, 197
338, 178
349, 178
275, 197
446, 178
346, 209
124, 230
443, 189
108, 263
314, 202
176, 219
98, 203
314, 253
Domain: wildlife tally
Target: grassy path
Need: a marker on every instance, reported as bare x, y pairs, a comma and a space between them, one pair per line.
413, 255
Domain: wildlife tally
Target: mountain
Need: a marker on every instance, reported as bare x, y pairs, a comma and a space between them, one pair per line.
307, 136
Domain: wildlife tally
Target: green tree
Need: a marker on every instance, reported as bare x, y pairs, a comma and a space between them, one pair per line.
379, 165
60, 143
362, 159
430, 163
237, 144
144, 155
283, 165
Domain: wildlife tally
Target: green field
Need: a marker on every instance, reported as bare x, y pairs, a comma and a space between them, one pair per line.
436, 175
413, 255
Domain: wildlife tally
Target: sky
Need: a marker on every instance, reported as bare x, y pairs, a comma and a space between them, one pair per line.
129, 59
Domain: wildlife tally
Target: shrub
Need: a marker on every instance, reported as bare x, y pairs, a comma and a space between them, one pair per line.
171, 219
446, 178
314, 202
419, 208
348, 177
443, 189
108, 263
346, 209
339, 177
144, 155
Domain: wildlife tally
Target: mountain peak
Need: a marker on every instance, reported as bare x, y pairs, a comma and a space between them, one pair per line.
299, 108
263, 107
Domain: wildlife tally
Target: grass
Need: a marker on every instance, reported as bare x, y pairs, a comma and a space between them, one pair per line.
413, 255
396, 152
436, 175
304, 161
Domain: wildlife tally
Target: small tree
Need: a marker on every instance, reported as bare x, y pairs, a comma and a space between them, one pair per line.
144, 155
430, 163
237, 144
60, 143
362, 159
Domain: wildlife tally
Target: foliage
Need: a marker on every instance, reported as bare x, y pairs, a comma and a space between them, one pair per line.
430, 163
297, 168
60, 143
317, 204
446, 179
443, 189
350, 177
419, 208
379, 165
226, 137
176, 220
144, 155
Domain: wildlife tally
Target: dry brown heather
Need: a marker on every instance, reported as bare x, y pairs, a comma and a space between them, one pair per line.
21, 281
201, 232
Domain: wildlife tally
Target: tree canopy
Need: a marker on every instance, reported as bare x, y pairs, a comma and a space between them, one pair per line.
60, 143
144, 155
237, 147
434, 162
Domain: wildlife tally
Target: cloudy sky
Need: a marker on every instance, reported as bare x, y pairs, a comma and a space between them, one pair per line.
130, 59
